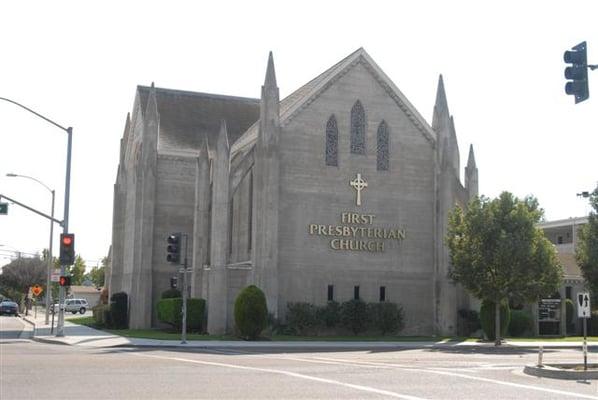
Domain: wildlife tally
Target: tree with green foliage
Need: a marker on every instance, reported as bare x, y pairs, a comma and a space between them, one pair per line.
586, 252
497, 252
20, 274
77, 271
97, 276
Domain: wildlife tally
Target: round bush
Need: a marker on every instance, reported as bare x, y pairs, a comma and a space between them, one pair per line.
521, 322
487, 319
251, 312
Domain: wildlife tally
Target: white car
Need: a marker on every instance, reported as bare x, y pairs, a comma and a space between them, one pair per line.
74, 306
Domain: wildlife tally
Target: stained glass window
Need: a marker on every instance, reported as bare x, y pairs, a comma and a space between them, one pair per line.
382, 149
357, 129
332, 142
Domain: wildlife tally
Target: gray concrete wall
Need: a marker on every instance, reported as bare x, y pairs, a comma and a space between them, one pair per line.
175, 193
403, 197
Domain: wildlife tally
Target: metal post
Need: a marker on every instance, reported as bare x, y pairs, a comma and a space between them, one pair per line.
65, 226
184, 328
48, 283
585, 346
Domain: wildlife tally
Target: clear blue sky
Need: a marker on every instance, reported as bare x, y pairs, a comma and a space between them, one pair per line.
79, 63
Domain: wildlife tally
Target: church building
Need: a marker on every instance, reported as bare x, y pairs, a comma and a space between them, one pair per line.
341, 190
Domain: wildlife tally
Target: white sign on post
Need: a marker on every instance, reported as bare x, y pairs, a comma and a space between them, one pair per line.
583, 305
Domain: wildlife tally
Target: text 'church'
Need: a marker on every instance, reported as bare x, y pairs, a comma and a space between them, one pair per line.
340, 190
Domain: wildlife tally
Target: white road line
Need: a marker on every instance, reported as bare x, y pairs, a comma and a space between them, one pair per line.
287, 373
475, 378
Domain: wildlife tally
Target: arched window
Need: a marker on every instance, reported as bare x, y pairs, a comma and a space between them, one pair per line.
382, 148
332, 142
357, 129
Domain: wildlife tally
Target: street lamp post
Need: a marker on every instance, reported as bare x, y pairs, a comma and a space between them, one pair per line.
67, 191
50, 244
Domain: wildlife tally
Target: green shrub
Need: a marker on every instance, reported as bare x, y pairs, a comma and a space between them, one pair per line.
170, 311
171, 294
521, 322
487, 319
354, 316
251, 312
301, 318
329, 316
385, 317
119, 306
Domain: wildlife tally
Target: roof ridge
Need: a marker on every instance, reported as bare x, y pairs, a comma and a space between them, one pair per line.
199, 94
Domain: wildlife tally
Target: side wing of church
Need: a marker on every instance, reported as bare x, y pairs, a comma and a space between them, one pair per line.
339, 191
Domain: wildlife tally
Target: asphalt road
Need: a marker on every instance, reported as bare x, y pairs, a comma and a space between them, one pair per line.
32, 370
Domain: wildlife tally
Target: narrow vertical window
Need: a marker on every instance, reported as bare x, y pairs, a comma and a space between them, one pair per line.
382, 293
332, 142
356, 292
382, 148
330, 292
357, 129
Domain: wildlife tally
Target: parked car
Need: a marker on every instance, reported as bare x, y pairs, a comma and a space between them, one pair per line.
73, 305
9, 307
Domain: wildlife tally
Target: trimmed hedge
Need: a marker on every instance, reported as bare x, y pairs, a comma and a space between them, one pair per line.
171, 294
354, 316
251, 312
170, 311
329, 316
521, 323
119, 307
386, 317
487, 315
302, 318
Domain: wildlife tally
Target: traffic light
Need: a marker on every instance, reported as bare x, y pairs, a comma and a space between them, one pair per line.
67, 249
577, 72
64, 281
174, 248
173, 282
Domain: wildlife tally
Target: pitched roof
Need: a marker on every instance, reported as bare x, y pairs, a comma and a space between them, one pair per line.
300, 98
187, 117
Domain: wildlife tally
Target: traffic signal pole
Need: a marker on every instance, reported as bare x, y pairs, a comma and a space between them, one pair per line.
67, 191
65, 229
184, 327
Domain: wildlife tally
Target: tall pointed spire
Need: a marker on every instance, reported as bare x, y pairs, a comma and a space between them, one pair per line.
471, 158
222, 144
441, 110
269, 108
270, 80
471, 175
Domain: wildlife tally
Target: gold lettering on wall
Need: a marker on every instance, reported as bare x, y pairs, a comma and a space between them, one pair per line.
357, 238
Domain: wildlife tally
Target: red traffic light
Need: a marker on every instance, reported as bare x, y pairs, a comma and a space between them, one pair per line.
67, 240
64, 281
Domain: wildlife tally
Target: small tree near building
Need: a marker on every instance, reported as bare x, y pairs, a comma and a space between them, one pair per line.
586, 252
497, 252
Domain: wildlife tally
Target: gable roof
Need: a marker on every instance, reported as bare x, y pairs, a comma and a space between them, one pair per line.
187, 117
291, 105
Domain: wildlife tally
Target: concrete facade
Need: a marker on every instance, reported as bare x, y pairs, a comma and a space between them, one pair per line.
249, 182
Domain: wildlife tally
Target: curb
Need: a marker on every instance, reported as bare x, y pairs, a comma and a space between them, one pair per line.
29, 332
561, 371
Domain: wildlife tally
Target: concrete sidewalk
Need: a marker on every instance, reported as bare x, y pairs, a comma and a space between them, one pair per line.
84, 336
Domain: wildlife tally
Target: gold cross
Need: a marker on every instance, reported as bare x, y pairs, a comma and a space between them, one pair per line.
358, 184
